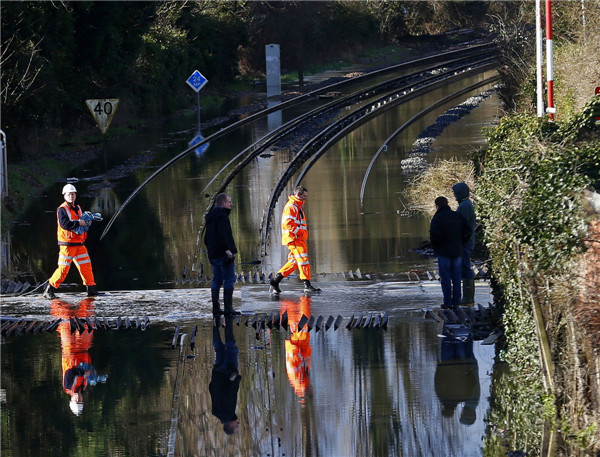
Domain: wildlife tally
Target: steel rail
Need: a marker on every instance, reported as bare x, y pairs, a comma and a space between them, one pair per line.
350, 122
293, 101
263, 143
436, 81
348, 100
422, 113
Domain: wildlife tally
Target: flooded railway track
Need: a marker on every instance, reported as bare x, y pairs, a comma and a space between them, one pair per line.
361, 92
323, 139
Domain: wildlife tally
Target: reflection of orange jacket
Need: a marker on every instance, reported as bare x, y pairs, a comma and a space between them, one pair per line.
293, 222
297, 349
297, 361
74, 346
295, 310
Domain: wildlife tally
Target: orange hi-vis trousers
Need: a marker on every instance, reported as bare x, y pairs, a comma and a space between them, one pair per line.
297, 258
80, 256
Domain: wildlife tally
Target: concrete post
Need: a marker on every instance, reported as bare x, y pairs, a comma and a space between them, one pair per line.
273, 70
273, 66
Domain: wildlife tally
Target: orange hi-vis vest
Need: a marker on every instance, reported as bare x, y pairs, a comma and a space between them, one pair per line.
68, 237
293, 222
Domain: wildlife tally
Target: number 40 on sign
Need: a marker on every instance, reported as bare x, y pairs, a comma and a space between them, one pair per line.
103, 111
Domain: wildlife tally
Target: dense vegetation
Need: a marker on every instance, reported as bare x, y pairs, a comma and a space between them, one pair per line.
532, 180
530, 199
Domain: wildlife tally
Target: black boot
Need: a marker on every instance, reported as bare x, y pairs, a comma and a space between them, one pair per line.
49, 292
275, 283
308, 287
215, 301
92, 291
468, 292
228, 303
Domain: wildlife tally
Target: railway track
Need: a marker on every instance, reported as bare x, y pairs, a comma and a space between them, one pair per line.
373, 96
324, 139
327, 126
360, 91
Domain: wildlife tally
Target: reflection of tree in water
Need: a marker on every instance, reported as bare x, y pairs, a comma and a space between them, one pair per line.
137, 363
133, 253
369, 351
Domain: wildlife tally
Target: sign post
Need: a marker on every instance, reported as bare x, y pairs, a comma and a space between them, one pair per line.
103, 111
550, 109
596, 93
197, 81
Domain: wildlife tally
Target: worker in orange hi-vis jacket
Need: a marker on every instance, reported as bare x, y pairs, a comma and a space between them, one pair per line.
298, 351
71, 242
294, 233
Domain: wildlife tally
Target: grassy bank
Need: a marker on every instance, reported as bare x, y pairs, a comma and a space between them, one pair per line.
531, 202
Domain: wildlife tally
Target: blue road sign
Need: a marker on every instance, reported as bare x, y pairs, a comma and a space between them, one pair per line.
197, 139
196, 81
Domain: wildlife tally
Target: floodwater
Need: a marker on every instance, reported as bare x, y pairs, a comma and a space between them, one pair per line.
402, 390
334, 391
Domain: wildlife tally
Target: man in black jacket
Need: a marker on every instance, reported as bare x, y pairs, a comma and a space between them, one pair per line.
221, 251
225, 379
448, 231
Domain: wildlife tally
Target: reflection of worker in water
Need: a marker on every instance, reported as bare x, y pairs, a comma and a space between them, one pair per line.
77, 368
225, 379
457, 379
297, 348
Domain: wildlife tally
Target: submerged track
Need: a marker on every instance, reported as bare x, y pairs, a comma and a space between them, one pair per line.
361, 89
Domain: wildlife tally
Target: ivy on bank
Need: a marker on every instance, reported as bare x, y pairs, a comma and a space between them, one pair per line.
530, 192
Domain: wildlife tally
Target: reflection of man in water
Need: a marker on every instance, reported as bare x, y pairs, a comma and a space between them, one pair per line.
297, 348
225, 380
77, 367
457, 379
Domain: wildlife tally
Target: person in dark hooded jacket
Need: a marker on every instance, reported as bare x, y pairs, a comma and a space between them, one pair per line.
220, 245
448, 232
465, 207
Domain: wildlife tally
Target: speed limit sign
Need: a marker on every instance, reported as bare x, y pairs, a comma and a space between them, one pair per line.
103, 111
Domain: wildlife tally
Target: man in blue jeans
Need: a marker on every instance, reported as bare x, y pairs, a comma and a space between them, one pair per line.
220, 245
448, 232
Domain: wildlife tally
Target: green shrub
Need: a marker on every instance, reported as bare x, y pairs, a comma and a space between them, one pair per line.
533, 174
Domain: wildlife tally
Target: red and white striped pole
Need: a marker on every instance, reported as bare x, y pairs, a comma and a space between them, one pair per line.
539, 59
549, 61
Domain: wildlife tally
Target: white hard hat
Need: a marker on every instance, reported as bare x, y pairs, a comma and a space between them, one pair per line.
69, 188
